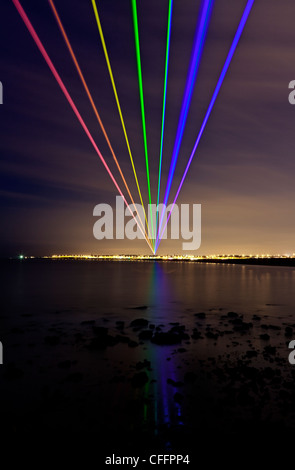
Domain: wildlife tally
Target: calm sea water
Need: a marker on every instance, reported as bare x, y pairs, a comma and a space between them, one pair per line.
49, 308
168, 289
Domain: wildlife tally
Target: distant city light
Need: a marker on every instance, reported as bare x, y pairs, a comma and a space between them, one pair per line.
187, 257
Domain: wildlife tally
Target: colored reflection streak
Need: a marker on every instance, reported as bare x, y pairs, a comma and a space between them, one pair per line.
160, 407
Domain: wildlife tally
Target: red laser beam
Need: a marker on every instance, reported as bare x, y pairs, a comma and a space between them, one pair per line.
71, 102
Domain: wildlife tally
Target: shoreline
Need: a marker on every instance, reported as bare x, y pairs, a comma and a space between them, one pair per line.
272, 261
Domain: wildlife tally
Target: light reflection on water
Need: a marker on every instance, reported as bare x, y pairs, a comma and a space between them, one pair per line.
158, 294
167, 288
172, 292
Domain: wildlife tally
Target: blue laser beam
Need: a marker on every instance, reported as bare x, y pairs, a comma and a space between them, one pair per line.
198, 46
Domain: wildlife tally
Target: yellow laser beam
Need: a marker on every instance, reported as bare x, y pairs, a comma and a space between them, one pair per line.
118, 104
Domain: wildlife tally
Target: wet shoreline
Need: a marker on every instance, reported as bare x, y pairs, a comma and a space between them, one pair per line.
164, 382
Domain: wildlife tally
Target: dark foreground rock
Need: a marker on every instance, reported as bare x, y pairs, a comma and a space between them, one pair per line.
139, 380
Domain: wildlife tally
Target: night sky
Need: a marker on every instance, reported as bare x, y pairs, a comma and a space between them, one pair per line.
243, 172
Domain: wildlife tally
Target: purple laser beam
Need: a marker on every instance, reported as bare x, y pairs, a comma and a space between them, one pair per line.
215, 94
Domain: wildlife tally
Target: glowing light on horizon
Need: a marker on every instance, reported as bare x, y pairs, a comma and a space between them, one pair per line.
142, 257
214, 97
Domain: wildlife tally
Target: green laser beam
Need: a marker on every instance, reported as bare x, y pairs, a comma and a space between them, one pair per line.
139, 72
118, 105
